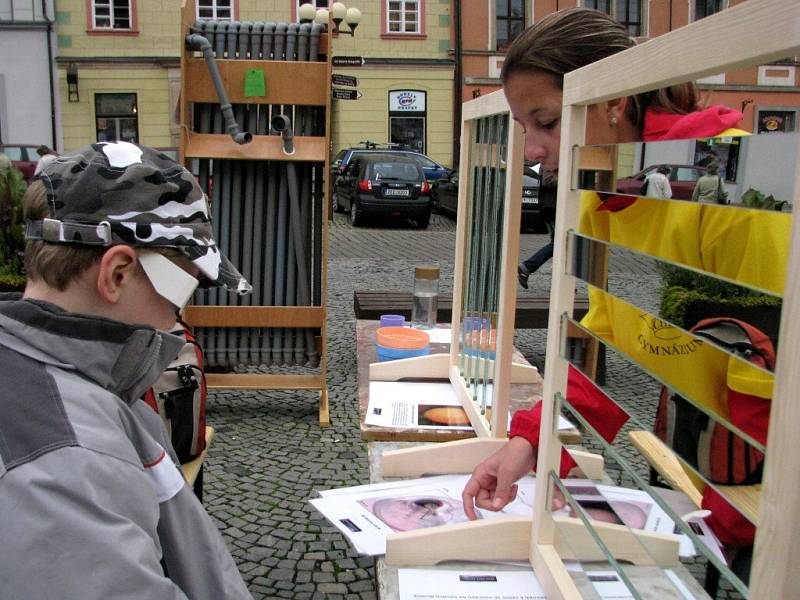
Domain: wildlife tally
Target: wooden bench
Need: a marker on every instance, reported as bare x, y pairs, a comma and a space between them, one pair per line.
531, 311
193, 470
746, 497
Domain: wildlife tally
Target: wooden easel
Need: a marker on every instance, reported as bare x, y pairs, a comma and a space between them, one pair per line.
290, 83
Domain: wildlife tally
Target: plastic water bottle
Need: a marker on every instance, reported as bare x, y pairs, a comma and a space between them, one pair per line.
426, 297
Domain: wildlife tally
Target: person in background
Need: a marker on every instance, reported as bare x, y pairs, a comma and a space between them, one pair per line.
708, 187
547, 192
532, 76
46, 154
658, 183
93, 504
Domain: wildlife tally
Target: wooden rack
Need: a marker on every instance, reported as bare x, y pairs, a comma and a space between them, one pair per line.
290, 83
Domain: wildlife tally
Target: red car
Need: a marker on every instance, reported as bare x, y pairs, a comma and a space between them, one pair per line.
23, 157
681, 179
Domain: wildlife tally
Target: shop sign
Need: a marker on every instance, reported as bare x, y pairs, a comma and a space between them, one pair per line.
406, 101
343, 94
346, 80
347, 61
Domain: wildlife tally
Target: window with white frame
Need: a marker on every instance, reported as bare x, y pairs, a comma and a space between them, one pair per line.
111, 14
626, 12
509, 20
403, 16
215, 10
705, 8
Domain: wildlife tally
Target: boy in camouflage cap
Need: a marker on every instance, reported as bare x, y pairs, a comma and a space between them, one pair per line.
93, 503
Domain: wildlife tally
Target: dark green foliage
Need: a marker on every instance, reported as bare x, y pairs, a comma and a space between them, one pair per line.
683, 288
755, 199
12, 239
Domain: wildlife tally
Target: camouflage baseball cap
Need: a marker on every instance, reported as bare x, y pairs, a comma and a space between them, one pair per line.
120, 193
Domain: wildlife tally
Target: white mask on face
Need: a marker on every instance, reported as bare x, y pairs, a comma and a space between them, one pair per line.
168, 279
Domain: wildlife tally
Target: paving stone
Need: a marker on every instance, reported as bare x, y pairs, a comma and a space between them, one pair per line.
270, 456
332, 588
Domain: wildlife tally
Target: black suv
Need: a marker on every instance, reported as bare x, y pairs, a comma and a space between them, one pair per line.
383, 184
430, 167
538, 197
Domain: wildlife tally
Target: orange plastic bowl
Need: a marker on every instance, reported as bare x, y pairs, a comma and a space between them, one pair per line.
403, 338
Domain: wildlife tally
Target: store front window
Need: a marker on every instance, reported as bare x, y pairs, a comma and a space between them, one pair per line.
407, 119
116, 117
722, 151
777, 121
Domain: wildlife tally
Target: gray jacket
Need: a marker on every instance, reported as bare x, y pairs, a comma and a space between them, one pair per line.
92, 506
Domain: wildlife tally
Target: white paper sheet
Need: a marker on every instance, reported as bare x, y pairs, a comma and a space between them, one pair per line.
405, 405
422, 405
440, 336
366, 514
443, 584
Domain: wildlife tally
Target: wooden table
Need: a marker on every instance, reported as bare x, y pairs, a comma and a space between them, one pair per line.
522, 395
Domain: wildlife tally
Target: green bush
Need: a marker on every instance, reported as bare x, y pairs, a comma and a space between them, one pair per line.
682, 288
12, 236
755, 199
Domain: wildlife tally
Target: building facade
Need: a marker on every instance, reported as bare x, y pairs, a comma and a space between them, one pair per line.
29, 111
119, 70
767, 95
406, 80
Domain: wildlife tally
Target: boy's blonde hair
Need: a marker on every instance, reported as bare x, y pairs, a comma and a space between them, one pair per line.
55, 264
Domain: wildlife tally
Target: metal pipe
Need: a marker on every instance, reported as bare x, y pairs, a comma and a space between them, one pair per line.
230, 41
280, 262
244, 40
51, 83
255, 40
271, 218
302, 41
197, 42
291, 41
282, 124
266, 40
313, 48
278, 41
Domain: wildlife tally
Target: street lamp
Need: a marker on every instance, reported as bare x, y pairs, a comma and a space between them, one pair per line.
338, 13
306, 13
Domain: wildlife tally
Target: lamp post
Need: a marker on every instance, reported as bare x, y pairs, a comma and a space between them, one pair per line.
338, 13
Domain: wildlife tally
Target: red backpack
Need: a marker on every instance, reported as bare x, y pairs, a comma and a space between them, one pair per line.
179, 396
717, 453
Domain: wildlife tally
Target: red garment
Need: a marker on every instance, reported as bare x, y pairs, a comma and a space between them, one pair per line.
603, 414
702, 123
594, 406
659, 126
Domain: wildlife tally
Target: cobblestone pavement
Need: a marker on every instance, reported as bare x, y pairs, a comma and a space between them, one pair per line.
270, 455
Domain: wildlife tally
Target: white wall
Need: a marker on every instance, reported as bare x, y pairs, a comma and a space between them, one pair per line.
676, 152
25, 107
767, 163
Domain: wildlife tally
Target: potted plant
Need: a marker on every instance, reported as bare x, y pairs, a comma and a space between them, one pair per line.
756, 199
12, 238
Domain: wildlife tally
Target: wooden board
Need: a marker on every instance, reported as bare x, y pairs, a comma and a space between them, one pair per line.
263, 147
530, 312
285, 82
254, 316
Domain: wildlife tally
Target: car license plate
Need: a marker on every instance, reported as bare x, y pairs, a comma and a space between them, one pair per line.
394, 192
530, 201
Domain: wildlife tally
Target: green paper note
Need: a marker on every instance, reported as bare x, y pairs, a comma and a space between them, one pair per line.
254, 84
